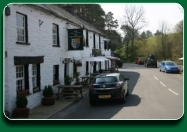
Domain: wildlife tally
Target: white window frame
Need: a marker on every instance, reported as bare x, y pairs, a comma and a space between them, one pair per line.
34, 75
21, 23
20, 78
55, 33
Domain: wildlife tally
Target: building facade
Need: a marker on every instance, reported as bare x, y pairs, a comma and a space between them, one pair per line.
39, 50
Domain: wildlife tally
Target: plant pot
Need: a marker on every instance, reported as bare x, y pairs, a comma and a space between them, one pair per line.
48, 101
21, 112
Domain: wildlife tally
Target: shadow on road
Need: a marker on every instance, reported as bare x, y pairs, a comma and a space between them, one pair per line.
133, 78
132, 100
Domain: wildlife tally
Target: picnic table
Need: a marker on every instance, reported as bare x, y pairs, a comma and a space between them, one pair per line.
73, 90
86, 80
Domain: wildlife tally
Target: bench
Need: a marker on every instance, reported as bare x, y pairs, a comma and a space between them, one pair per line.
72, 92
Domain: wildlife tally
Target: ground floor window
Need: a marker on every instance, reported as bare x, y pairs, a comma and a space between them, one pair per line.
22, 81
20, 85
87, 68
34, 75
55, 74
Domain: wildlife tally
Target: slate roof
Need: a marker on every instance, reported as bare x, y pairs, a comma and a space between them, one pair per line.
70, 17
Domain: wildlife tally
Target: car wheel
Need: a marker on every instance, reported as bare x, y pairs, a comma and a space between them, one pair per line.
160, 70
123, 98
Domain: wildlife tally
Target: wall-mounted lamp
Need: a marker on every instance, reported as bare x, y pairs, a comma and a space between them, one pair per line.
7, 11
67, 25
82, 26
72, 60
65, 61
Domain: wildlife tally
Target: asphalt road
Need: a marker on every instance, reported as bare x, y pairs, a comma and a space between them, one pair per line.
153, 95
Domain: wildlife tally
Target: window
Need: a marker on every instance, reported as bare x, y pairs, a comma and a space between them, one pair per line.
55, 35
21, 23
105, 45
74, 67
109, 45
55, 74
20, 78
87, 67
87, 44
94, 41
99, 42
34, 75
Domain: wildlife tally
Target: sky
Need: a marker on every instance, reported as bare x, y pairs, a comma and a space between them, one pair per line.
155, 13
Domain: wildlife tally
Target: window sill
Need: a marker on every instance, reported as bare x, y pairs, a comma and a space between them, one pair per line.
22, 43
56, 45
37, 91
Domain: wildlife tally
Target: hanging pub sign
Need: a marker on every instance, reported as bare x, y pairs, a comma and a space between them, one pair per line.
75, 39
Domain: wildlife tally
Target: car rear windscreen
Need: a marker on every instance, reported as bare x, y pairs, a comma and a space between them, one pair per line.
107, 79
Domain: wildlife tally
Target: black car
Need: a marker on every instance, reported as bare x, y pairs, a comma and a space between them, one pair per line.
108, 86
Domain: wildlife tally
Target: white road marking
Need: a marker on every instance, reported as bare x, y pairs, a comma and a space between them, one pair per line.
162, 84
173, 91
156, 78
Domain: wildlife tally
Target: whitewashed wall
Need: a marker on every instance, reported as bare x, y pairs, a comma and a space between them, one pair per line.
40, 39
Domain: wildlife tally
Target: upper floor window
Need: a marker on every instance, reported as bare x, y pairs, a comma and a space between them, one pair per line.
87, 43
21, 23
99, 42
55, 35
94, 41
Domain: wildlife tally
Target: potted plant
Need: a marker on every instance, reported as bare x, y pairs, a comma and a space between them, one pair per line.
68, 80
48, 96
21, 109
76, 76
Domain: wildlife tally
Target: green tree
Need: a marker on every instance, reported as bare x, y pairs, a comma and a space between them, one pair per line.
110, 22
134, 18
149, 33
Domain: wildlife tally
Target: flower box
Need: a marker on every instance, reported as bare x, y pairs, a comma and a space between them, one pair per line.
23, 92
36, 89
78, 63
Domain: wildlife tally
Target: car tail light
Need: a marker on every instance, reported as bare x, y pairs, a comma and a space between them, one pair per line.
118, 85
91, 88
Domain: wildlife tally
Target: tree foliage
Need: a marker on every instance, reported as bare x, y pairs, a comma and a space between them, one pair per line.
134, 18
163, 45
